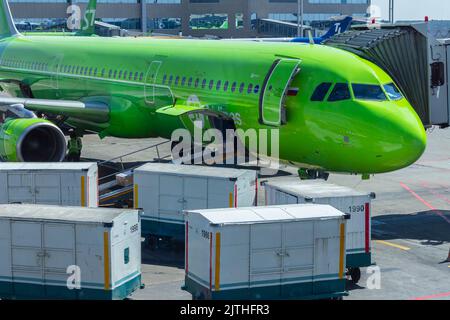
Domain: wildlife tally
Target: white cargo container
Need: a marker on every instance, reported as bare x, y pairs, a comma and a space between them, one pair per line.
43, 248
347, 200
69, 184
277, 252
164, 190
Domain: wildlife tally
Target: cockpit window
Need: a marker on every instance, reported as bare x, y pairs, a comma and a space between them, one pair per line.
321, 91
340, 92
393, 92
368, 92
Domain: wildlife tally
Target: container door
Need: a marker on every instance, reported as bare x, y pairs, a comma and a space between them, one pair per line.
266, 258
27, 257
195, 193
47, 188
275, 91
220, 193
59, 248
21, 189
171, 201
70, 191
298, 256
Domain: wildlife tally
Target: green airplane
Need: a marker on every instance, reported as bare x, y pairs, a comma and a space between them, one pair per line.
335, 112
87, 24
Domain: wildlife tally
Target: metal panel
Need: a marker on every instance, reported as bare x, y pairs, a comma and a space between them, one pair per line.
47, 188
21, 188
265, 253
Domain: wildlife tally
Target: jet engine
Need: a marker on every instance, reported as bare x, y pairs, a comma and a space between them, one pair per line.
31, 140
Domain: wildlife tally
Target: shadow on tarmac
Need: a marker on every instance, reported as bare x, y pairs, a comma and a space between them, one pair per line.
431, 228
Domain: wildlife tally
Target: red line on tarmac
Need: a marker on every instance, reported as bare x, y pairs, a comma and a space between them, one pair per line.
433, 296
439, 213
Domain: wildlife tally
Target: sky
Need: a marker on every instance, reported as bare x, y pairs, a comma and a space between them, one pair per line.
415, 9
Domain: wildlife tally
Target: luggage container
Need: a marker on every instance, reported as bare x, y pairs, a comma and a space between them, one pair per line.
68, 184
355, 203
163, 191
278, 252
44, 249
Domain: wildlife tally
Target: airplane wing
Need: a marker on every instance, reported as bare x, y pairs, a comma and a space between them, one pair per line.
96, 111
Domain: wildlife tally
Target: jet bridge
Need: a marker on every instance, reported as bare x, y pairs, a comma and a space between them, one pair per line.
414, 57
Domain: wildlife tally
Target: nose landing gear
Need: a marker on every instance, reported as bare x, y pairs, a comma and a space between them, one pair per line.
310, 174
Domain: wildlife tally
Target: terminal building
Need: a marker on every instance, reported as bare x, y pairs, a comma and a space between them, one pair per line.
198, 18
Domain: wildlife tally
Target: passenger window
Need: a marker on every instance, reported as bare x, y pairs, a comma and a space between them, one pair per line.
136, 76
164, 79
321, 91
110, 73
250, 88
204, 84
233, 87
183, 81
368, 92
170, 80
103, 72
85, 71
241, 88
115, 74
225, 86
125, 73
340, 92
211, 84
141, 76
90, 71
177, 80
120, 74
130, 77
95, 72
219, 85
190, 82
81, 70
197, 82
256, 90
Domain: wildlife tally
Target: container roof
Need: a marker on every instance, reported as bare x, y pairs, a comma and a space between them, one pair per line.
193, 170
297, 212
46, 165
57, 213
313, 189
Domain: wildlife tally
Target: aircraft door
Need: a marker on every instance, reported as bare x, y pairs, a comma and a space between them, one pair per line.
150, 81
274, 91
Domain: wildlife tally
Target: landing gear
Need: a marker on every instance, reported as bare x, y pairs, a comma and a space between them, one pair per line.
310, 174
355, 274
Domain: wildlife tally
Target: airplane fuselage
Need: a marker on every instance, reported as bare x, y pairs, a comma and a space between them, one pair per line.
136, 77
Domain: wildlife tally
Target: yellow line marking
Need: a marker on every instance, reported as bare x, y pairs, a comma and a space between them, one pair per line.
230, 199
106, 259
341, 251
83, 192
136, 196
393, 245
217, 273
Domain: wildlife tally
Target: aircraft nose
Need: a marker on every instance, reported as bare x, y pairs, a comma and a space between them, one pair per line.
407, 142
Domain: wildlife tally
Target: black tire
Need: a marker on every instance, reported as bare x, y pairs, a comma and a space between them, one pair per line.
355, 275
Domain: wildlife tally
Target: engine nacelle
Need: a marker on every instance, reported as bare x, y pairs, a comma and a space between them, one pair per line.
31, 140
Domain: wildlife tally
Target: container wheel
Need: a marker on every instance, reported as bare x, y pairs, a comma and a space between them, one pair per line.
355, 275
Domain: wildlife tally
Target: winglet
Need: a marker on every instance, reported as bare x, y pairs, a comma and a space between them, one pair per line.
88, 23
7, 27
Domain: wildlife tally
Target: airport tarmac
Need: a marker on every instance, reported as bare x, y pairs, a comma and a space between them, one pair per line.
410, 225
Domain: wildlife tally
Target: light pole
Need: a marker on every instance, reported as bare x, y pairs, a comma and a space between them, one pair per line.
300, 18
